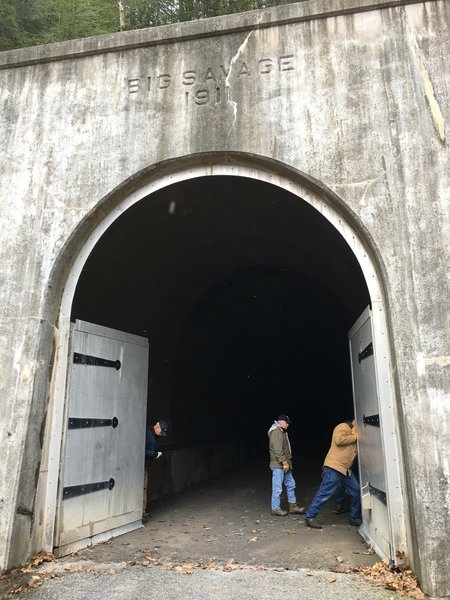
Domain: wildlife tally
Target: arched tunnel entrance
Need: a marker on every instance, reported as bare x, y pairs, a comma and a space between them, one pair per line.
246, 288
246, 294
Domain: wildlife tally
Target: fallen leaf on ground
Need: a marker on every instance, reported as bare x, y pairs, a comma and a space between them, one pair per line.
26, 569
398, 580
34, 582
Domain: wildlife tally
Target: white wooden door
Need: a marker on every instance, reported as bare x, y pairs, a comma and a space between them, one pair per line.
371, 453
101, 481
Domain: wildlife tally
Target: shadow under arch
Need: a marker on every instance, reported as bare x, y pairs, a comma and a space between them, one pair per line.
158, 175
79, 245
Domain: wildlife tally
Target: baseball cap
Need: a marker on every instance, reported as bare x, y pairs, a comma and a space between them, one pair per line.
164, 426
284, 418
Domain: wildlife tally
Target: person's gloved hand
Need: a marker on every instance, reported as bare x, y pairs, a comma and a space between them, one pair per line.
285, 466
158, 454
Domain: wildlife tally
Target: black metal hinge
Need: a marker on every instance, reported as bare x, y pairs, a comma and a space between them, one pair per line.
378, 493
87, 488
80, 423
368, 351
94, 361
372, 420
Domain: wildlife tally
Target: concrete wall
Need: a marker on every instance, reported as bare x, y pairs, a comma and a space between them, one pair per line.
180, 468
353, 93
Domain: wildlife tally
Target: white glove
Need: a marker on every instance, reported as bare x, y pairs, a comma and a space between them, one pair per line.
158, 454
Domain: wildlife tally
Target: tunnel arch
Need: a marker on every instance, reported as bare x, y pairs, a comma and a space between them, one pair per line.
158, 177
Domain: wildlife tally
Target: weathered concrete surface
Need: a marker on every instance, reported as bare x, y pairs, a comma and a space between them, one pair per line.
119, 580
357, 99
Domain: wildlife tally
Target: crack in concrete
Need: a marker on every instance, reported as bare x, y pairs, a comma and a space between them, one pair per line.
240, 50
367, 183
441, 361
427, 85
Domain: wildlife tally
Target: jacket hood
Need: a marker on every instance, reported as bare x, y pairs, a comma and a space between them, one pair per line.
275, 426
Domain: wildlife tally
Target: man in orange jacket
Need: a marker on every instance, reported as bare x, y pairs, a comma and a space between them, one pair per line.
337, 473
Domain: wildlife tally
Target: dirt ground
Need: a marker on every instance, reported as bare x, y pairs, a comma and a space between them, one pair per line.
218, 527
229, 519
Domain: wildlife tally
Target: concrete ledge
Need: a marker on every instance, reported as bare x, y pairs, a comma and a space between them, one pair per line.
224, 25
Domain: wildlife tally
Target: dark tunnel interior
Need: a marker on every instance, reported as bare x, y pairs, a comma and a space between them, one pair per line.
246, 294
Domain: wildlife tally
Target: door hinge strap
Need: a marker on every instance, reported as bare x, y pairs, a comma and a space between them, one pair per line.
368, 351
87, 488
94, 361
372, 420
80, 423
378, 493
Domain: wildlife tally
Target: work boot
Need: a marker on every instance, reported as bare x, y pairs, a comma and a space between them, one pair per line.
313, 523
294, 509
279, 512
355, 522
338, 510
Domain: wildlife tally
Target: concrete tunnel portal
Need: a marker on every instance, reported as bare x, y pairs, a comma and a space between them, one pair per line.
253, 249
246, 293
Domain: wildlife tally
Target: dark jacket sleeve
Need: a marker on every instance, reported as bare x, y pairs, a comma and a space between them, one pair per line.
150, 446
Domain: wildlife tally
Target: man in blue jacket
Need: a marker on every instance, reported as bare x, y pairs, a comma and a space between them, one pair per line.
159, 429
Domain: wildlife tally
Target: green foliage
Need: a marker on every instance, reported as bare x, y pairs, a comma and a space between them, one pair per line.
20, 20
147, 13
9, 27
32, 22
80, 18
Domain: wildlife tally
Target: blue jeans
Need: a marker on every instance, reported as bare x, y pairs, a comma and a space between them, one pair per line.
340, 496
278, 478
332, 481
